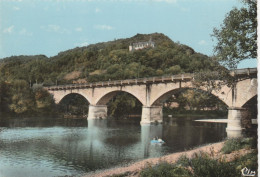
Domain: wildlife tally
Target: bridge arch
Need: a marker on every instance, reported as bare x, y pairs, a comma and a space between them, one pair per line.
159, 101
59, 95
108, 96
253, 100
246, 90
73, 104
73, 94
162, 92
103, 95
251, 106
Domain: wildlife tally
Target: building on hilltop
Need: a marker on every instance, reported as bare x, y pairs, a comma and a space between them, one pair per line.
141, 45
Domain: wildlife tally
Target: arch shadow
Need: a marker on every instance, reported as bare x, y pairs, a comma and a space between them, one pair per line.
159, 101
73, 104
126, 105
107, 97
251, 105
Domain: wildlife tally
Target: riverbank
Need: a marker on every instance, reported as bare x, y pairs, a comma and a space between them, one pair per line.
136, 167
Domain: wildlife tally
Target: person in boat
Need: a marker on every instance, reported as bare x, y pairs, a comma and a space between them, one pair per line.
160, 140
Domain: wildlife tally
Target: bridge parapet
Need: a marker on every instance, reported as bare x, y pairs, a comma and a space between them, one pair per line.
244, 72
174, 78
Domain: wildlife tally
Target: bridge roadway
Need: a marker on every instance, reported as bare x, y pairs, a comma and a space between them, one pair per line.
153, 91
149, 80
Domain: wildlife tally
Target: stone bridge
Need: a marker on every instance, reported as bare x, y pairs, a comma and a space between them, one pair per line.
152, 92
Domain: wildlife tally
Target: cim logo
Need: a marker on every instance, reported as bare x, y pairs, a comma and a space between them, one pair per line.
247, 172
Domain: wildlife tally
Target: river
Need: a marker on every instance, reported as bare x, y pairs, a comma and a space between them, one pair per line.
55, 147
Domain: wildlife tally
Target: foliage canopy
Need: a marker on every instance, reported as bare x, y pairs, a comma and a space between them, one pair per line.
237, 35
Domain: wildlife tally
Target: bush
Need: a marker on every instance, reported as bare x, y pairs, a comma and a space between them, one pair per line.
249, 160
239, 143
165, 170
122, 175
183, 161
204, 166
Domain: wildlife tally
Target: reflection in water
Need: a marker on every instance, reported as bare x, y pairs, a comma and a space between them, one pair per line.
148, 132
59, 147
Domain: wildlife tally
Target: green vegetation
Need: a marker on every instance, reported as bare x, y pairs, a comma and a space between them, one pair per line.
249, 160
73, 104
236, 40
122, 105
239, 143
165, 170
109, 60
98, 62
197, 166
18, 98
205, 166
122, 175
195, 99
237, 36
202, 164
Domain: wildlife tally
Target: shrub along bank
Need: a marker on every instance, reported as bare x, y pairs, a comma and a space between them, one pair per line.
208, 164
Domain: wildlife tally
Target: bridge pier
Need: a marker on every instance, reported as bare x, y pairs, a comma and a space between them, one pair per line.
234, 125
151, 114
97, 111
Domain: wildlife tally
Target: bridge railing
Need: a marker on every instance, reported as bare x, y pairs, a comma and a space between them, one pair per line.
170, 78
246, 71
180, 77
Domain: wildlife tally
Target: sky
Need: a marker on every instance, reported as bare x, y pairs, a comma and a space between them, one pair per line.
32, 27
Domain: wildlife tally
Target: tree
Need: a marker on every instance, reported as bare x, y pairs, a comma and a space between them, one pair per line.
4, 97
237, 36
44, 100
22, 97
123, 104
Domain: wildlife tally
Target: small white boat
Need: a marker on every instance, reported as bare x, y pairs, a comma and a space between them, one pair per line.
157, 141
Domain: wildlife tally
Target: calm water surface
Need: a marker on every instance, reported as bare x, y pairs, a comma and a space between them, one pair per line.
58, 147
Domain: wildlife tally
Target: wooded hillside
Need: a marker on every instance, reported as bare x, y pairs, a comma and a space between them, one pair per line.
108, 60
97, 62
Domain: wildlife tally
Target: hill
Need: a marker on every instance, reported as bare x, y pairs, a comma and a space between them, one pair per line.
97, 62
107, 60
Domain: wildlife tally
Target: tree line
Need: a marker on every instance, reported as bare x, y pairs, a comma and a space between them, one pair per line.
98, 62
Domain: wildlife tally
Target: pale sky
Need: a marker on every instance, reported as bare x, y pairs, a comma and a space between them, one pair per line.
48, 27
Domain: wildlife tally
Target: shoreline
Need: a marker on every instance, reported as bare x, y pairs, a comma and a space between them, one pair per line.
139, 165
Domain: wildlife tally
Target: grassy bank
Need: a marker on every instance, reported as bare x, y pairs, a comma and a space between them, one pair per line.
228, 162
207, 165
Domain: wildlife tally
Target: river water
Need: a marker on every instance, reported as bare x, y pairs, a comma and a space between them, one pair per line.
64, 147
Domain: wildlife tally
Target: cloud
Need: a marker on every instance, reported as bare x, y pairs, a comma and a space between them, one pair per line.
185, 9
202, 42
104, 27
55, 28
97, 10
84, 44
25, 32
78, 29
16, 8
9, 30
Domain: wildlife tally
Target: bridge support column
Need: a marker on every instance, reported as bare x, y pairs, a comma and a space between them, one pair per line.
151, 114
97, 111
234, 125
